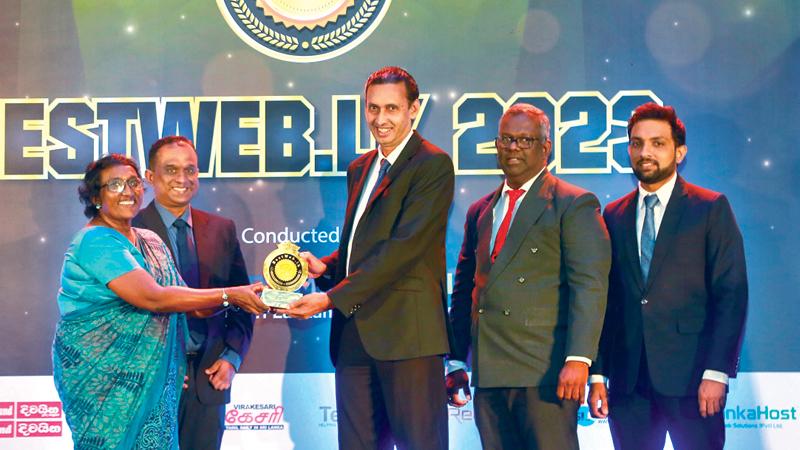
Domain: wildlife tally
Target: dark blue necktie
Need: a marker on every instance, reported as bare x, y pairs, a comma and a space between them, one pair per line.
187, 260
648, 241
381, 173
187, 255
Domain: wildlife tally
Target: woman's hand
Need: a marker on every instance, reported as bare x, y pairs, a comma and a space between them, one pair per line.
248, 298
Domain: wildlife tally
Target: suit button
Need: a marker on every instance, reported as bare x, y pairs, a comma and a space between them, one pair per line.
506, 312
534, 250
521, 280
480, 310
644, 301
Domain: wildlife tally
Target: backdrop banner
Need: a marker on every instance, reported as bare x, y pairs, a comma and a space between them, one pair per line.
272, 95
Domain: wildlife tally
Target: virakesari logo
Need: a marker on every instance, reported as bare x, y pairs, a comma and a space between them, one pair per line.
255, 416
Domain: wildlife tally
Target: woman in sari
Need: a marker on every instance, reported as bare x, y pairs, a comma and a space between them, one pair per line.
118, 353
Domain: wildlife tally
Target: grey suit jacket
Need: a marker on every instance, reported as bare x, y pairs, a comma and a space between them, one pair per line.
544, 297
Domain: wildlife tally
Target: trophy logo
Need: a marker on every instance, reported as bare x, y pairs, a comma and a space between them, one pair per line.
285, 272
303, 30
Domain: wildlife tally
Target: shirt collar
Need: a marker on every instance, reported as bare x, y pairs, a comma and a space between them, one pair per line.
169, 219
663, 193
396, 152
526, 186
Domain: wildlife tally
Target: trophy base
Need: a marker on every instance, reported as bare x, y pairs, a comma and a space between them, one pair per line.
278, 299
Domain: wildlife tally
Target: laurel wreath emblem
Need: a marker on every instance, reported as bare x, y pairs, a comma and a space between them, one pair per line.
348, 29
262, 31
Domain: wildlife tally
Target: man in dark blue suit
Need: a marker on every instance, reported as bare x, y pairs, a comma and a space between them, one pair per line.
207, 252
677, 300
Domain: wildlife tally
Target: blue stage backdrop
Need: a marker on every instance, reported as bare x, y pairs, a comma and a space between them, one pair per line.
272, 96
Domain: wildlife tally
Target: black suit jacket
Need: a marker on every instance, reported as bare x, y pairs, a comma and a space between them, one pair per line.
544, 297
690, 314
221, 265
396, 290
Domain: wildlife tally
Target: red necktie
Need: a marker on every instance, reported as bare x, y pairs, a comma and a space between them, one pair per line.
500, 239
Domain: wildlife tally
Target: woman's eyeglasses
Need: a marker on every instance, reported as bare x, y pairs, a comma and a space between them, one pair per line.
117, 185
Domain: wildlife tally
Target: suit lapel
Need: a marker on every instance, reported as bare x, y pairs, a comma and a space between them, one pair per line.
668, 229
360, 172
397, 168
151, 220
484, 225
629, 233
528, 213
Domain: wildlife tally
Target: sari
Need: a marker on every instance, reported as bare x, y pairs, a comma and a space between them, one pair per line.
118, 369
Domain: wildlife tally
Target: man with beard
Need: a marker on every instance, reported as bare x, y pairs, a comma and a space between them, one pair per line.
677, 300
529, 295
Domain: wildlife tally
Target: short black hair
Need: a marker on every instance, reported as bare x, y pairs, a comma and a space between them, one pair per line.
90, 186
534, 113
166, 140
392, 75
654, 111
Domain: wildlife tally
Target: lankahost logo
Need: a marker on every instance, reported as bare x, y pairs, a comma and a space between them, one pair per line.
303, 30
759, 416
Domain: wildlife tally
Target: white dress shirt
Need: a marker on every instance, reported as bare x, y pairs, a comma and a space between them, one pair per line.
363, 199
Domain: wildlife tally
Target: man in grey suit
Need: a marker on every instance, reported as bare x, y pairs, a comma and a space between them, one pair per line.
529, 296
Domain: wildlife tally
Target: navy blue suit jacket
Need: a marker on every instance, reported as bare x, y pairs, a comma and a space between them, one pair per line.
221, 264
690, 313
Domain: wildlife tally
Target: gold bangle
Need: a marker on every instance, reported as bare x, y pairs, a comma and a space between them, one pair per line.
225, 302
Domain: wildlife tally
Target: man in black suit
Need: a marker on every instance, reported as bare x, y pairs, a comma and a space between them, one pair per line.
529, 295
677, 300
206, 250
388, 293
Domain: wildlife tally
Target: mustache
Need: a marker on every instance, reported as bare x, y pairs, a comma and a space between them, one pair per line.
646, 160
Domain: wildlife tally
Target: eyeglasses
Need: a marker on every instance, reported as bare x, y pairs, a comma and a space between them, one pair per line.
523, 142
117, 185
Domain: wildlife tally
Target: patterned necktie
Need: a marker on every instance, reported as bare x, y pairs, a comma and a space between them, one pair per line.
502, 233
381, 173
187, 255
648, 241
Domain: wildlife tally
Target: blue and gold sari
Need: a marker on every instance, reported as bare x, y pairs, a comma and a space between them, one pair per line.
117, 368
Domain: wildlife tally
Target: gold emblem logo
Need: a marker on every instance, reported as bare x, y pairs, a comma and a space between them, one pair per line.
304, 13
284, 270
303, 30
